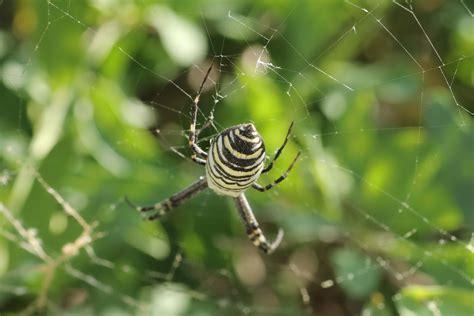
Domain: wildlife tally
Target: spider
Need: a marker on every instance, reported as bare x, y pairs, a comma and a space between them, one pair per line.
233, 163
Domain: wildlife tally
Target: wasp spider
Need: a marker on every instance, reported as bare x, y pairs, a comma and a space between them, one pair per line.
233, 163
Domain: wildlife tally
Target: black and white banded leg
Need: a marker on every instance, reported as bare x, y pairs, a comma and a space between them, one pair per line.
279, 151
260, 188
155, 211
199, 155
254, 232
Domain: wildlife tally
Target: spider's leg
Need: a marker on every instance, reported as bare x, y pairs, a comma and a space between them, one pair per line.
209, 122
197, 151
172, 202
199, 160
254, 232
279, 151
260, 188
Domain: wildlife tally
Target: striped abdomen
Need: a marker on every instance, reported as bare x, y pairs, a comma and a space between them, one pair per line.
236, 159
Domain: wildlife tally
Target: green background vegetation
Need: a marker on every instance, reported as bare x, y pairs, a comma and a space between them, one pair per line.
380, 203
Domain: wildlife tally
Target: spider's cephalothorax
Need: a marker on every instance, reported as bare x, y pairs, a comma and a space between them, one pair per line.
235, 160
233, 163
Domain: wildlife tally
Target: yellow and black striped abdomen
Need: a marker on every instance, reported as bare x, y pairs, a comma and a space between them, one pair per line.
235, 160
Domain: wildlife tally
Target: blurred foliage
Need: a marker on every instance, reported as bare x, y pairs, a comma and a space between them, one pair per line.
95, 96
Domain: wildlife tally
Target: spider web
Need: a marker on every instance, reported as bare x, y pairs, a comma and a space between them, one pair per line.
361, 237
